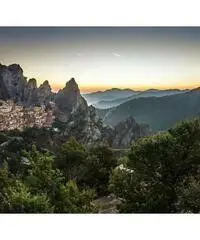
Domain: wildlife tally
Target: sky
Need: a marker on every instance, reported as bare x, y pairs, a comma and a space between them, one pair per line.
105, 57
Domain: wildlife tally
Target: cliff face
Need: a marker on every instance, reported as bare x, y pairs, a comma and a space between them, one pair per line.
30, 93
128, 131
12, 82
79, 119
44, 94
82, 122
69, 101
38, 106
14, 86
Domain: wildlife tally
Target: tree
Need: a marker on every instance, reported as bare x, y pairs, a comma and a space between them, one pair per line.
5, 183
70, 199
189, 196
97, 168
15, 196
11, 152
47, 183
42, 176
90, 169
20, 200
159, 164
70, 158
41, 137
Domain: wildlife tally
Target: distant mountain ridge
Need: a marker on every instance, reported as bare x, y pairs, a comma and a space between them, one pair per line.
110, 94
115, 101
160, 113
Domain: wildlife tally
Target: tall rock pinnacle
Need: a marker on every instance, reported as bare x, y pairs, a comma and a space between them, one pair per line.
12, 82
68, 100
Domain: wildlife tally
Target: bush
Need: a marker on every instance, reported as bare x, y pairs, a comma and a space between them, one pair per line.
97, 169
72, 200
70, 158
22, 201
160, 164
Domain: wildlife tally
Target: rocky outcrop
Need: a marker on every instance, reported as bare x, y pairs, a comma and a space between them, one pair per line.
39, 106
14, 86
30, 93
79, 119
44, 94
69, 101
34, 96
12, 82
85, 127
127, 131
82, 122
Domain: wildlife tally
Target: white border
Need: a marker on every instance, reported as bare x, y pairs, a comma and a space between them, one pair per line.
99, 13
99, 227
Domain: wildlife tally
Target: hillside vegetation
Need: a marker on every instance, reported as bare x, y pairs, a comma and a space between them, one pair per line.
159, 174
160, 113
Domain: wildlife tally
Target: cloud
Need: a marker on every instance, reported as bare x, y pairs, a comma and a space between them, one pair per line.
116, 54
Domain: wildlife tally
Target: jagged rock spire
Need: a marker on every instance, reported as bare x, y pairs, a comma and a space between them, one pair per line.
71, 85
12, 82
68, 100
32, 83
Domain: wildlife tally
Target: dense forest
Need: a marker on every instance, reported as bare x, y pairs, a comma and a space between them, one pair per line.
158, 174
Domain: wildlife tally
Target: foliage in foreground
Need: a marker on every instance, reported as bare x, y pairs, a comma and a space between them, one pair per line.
66, 182
42, 189
162, 174
90, 168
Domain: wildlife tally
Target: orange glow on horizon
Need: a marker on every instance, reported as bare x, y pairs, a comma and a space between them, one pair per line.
89, 89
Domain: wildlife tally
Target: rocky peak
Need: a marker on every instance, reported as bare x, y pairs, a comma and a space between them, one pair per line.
68, 100
32, 83
44, 93
45, 85
72, 85
128, 122
128, 131
15, 68
12, 82
71, 89
30, 92
44, 90
14, 86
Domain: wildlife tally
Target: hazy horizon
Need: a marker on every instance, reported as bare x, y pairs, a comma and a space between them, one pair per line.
101, 58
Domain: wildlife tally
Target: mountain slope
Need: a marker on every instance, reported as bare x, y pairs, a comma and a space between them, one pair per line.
110, 94
148, 93
160, 113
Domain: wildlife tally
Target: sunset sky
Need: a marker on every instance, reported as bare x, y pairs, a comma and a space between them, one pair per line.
101, 58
